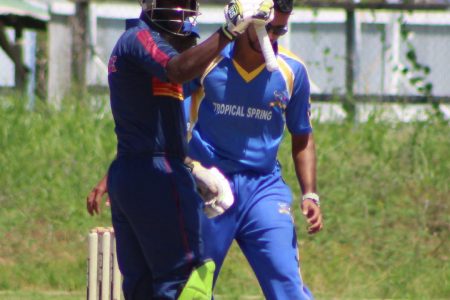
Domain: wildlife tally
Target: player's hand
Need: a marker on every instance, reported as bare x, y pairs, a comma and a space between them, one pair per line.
313, 215
94, 199
240, 13
224, 198
214, 188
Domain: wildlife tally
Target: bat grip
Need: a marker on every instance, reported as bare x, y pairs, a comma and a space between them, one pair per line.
266, 47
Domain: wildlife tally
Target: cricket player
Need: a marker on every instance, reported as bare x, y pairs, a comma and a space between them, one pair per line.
155, 207
238, 125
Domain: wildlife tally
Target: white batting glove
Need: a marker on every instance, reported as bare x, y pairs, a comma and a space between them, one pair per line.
240, 13
224, 199
214, 189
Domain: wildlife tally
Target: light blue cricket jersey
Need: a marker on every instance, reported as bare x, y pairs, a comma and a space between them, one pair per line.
239, 123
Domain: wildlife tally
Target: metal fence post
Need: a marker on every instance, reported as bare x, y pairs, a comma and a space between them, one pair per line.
350, 46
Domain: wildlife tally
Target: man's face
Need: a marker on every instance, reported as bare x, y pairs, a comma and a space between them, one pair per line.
171, 14
278, 27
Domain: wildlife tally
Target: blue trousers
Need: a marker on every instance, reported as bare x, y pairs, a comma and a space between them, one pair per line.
260, 221
156, 215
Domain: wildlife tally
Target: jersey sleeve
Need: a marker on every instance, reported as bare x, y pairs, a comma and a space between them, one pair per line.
151, 53
298, 110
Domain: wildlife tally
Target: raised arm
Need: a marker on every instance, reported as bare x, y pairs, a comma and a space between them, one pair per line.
192, 62
238, 15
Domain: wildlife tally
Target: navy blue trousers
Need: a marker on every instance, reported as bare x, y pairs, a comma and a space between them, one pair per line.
156, 215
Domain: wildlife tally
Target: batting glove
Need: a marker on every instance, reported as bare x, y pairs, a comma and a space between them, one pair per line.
240, 13
224, 199
213, 188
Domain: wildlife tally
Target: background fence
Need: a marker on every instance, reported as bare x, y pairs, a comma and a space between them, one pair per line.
397, 54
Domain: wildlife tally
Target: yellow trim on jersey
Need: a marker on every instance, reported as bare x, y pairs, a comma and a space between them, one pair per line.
198, 95
211, 66
291, 55
286, 52
288, 75
168, 93
196, 99
248, 76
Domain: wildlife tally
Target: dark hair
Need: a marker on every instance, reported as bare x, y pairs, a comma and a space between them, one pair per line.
284, 6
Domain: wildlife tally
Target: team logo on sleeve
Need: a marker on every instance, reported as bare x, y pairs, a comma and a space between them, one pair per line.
112, 64
167, 89
280, 102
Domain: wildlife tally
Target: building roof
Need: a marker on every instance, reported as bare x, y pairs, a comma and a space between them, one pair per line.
24, 13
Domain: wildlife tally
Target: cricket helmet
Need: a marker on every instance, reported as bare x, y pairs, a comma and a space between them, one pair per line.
171, 15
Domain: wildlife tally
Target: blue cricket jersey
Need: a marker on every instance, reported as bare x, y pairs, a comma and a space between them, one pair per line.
147, 109
240, 121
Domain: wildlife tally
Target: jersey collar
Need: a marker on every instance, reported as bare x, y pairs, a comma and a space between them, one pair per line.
141, 22
130, 23
227, 52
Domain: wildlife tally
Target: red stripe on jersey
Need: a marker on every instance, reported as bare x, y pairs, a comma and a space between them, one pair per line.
170, 89
150, 46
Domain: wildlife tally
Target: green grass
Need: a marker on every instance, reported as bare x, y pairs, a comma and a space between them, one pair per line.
42, 295
385, 190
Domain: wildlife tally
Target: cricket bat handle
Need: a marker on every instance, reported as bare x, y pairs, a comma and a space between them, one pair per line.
266, 48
